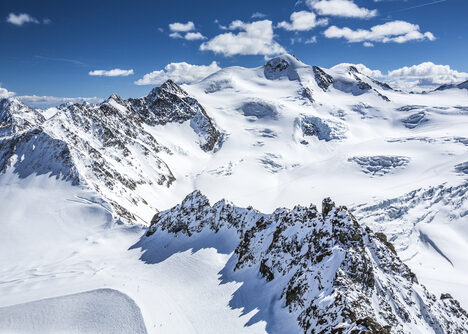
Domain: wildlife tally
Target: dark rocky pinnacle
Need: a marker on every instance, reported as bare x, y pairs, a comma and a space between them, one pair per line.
327, 206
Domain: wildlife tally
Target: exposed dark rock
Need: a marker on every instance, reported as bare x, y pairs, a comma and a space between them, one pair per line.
327, 206
323, 79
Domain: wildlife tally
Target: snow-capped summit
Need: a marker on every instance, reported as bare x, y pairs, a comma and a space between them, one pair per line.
111, 147
16, 116
285, 65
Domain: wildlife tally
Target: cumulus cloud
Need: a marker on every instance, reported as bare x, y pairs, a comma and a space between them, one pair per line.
302, 21
185, 31
428, 74
116, 72
180, 73
20, 19
425, 76
182, 27
175, 35
5, 93
193, 36
344, 8
394, 31
255, 38
190, 36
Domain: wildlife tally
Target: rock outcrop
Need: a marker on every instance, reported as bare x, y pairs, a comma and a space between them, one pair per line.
332, 274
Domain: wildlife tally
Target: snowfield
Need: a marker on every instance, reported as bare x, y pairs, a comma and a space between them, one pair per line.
79, 187
96, 311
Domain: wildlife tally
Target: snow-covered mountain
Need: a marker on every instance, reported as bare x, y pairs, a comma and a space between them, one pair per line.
108, 147
285, 134
463, 85
324, 268
15, 117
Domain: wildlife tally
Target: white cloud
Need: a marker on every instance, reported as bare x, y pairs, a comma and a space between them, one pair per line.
428, 74
394, 31
182, 27
175, 35
180, 73
368, 44
255, 38
425, 76
45, 101
258, 15
302, 21
46, 21
192, 36
344, 8
299, 39
20, 19
5, 93
49, 101
116, 72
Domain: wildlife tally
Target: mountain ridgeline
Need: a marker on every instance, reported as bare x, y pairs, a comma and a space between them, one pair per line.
106, 147
324, 268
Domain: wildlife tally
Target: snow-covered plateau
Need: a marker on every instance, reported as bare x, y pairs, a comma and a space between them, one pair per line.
204, 208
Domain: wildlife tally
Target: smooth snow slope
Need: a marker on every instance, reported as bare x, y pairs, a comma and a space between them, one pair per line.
57, 239
97, 311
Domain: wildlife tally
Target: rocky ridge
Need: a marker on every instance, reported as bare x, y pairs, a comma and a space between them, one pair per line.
107, 147
333, 274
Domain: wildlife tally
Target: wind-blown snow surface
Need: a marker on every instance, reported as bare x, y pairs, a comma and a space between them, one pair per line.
287, 134
57, 239
96, 311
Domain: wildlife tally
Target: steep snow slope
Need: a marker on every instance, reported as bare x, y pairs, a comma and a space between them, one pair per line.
429, 228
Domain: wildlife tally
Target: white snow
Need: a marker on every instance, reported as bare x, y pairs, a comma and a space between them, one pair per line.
96, 311
57, 239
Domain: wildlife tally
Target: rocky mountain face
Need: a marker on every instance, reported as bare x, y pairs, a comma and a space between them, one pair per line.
107, 147
168, 104
330, 272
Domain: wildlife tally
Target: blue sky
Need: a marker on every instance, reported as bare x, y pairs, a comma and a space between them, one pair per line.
51, 49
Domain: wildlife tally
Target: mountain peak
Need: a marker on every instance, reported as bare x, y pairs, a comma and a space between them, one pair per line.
284, 65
